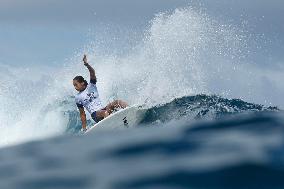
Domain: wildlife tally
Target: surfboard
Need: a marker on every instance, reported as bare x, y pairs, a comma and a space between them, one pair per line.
122, 119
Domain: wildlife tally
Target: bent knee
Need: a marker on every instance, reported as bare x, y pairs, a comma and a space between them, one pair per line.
105, 114
102, 114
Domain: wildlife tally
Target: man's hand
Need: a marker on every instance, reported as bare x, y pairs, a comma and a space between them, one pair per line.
83, 130
91, 70
85, 60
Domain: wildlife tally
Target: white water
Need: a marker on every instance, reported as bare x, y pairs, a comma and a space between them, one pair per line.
182, 53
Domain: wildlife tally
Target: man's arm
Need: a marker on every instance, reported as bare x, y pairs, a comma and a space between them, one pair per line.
91, 69
83, 118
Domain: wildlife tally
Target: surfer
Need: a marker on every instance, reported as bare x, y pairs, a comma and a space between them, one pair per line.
88, 97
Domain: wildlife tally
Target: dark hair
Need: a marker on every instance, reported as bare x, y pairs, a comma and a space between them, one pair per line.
80, 79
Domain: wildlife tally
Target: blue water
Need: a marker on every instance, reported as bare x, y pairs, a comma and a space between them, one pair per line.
243, 150
192, 142
214, 114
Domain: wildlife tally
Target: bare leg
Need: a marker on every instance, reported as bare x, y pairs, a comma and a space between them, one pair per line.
101, 114
115, 105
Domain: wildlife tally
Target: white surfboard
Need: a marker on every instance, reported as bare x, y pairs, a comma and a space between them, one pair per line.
125, 118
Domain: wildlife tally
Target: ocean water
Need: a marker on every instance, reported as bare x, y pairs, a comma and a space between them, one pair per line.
240, 151
214, 116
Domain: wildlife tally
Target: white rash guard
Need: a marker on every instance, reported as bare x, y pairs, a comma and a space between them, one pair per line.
89, 98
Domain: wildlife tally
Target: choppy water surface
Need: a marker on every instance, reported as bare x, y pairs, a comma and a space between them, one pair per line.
237, 151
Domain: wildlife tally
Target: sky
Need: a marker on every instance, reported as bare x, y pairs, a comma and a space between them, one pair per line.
82, 12
48, 32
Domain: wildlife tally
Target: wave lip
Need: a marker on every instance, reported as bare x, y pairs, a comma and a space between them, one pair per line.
201, 107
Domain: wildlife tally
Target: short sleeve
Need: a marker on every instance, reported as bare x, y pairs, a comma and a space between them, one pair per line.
78, 103
93, 81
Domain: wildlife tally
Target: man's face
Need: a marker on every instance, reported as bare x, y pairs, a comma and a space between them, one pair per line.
78, 86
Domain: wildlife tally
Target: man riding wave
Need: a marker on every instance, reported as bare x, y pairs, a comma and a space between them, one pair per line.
88, 98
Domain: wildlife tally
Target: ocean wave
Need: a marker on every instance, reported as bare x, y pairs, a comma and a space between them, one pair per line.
242, 151
201, 107
196, 107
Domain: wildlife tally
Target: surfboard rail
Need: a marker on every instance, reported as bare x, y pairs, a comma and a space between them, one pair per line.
122, 119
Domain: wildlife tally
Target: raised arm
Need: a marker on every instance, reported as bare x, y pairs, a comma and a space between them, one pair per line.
91, 69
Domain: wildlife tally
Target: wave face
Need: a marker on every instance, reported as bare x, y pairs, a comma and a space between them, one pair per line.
202, 107
240, 151
190, 108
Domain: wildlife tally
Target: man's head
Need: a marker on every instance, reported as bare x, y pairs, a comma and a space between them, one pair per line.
79, 83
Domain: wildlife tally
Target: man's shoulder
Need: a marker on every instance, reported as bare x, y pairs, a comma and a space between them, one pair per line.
92, 86
78, 95
93, 81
